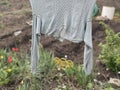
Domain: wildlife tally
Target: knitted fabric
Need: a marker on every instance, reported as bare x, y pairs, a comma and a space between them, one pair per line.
63, 19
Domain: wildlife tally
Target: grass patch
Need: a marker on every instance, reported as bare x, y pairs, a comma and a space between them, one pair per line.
2, 26
5, 3
22, 11
117, 14
1, 15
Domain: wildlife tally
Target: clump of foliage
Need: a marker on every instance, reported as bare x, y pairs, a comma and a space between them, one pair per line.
78, 75
12, 66
110, 53
56, 74
42, 78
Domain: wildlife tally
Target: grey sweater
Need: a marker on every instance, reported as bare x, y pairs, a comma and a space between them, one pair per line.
63, 19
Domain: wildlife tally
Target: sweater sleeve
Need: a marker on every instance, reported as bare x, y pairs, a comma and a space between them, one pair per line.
35, 43
88, 51
31, 3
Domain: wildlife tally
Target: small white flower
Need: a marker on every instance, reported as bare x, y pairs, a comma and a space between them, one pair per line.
107, 69
58, 69
63, 86
66, 56
95, 80
56, 89
60, 74
119, 72
98, 73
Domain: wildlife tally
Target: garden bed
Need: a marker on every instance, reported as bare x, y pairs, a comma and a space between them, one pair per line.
14, 16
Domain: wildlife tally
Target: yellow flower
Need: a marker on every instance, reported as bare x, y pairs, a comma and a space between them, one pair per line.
63, 63
1, 57
9, 70
70, 63
22, 82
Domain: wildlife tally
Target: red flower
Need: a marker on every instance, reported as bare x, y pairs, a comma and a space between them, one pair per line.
15, 49
10, 59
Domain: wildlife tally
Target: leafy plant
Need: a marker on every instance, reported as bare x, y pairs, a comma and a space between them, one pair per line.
5, 3
2, 26
117, 14
110, 53
12, 66
45, 73
56, 70
77, 73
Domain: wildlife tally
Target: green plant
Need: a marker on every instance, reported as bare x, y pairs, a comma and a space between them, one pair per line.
46, 71
117, 14
109, 88
72, 71
2, 26
110, 53
27, 12
5, 2
77, 73
12, 66
1, 15
52, 71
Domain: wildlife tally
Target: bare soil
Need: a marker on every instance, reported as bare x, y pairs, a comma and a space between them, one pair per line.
13, 17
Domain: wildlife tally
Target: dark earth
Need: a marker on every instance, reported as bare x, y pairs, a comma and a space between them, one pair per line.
14, 15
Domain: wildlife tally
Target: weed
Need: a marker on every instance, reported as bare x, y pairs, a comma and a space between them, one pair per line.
22, 11
78, 74
1, 15
117, 14
45, 73
27, 12
5, 3
2, 26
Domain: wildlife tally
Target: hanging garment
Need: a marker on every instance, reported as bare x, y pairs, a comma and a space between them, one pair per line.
63, 19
